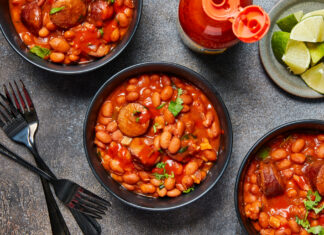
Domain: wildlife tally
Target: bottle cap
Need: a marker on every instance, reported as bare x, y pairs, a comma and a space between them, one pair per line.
249, 24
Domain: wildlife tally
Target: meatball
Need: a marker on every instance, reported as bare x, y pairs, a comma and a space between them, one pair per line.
315, 173
31, 16
99, 11
130, 122
72, 12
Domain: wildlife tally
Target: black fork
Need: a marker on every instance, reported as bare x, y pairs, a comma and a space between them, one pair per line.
20, 123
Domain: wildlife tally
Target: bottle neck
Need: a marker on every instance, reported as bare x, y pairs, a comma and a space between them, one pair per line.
221, 10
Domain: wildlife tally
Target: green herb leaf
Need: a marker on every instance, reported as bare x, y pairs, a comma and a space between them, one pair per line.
56, 9
189, 190
183, 149
101, 32
302, 222
175, 107
161, 165
319, 209
263, 153
161, 151
99, 154
40, 51
137, 119
316, 230
136, 112
161, 106
161, 186
185, 137
112, 1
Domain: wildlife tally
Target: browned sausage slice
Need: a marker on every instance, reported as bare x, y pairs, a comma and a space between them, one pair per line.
31, 16
271, 182
130, 122
315, 173
99, 11
72, 13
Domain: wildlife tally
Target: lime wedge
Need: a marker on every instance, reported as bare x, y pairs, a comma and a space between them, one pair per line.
297, 56
314, 78
279, 43
287, 23
316, 51
310, 29
314, 13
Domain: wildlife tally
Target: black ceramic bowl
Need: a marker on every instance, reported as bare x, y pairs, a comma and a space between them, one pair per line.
312, 126
142, 202
17, 44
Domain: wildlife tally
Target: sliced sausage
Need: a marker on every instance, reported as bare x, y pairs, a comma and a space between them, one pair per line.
31, 17
99, 11
130, 122
315, 173
144, 155
270, 180
72, 13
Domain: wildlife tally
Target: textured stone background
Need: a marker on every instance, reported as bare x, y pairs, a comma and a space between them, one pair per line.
255, 104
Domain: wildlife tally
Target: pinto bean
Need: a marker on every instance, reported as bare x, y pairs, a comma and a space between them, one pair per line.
43, 32
187, 181
122, 19
174, 193
165, 139
155, 182
118, 178
116, 167
103, 120
191, 168
147, 188
320, 151
131, 178
320, 137
112, 126
298, 158
129, 187
264, 220
169, 183
209, 118
166, 93
298, 145
156, 99
294, 226
214, 131
279, 154
161, 192
132, 96
59, 44
121, 99
57, 57
156, 143
284, 164
117, 135
144, 176
210, 155
99, 144
165, 80
174, 145
103, 137
187, 99
186, 108
180, 127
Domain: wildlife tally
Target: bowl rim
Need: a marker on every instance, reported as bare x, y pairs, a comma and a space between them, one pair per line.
95, 64
170, 66
247, 156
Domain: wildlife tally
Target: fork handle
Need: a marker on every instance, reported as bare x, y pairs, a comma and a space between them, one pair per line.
58, 224
87, 224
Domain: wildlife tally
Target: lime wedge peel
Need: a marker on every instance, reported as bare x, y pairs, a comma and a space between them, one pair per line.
314, 13
317, 51
287, 23
310, 29
314, 78
297, 57
279, 43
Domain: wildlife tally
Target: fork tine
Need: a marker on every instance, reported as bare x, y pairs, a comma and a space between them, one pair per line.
101, 209
7, 111
10, 104
85, 211
2, 124
93, 201
13, 95
90, 194
5, 118
22, 102
27, 96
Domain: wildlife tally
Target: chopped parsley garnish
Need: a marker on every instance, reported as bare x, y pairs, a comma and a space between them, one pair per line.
187, 136
161, 151
161, 186
263, 153
101, 32
136, 112
183, 149
175, 107
40, 51
154, 127
99, 154
111, 1
285, 140
137, 119
189, 190
165, 175
161, 106
311, 205
56, 9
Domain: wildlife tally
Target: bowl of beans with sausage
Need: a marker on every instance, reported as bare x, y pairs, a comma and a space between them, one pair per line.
157, 136
280, 185
69, 36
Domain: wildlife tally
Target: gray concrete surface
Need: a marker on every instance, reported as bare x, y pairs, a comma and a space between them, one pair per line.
255, 104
